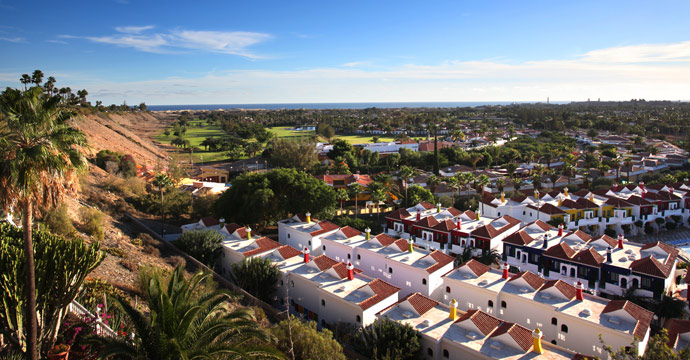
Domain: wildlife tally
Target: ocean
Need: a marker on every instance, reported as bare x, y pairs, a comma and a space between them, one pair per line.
362, 105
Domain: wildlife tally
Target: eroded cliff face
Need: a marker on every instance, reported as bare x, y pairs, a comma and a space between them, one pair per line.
126, 133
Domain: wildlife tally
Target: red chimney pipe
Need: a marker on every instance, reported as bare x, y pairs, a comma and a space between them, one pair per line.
350, 271
560, 229
642, 185
579, 295
419, 215
643, 192
505, 270
306, 255
620, 241
459, 224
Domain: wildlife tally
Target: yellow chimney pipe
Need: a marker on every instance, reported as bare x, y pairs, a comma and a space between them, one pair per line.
503, 197
249, 233
565, 191
453, 310
536, 339
308, 215
367, 233
410, 245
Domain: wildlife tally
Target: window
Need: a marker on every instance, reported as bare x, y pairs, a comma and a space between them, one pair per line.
323, 302
448, 289
289, 237
554, 321
292, 283
324, 248
309, 242
445, 353
323, 323
408, 283
490, 304
612, 278
390, 270
503, 304
583, 272
534, 258
423, 281
359, 319
429, 352
646, 283
564, 328
554, 342
359, 257
348, 256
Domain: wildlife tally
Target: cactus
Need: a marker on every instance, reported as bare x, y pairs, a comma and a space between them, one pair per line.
61, 267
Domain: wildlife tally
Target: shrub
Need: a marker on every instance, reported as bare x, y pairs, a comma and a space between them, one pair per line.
203, 245
92, 222
307, 342
388, 339
147, 239
639, 223
176, 261
151, 250
671, 225
677, 218
446, 201
114, 251
610, 232
58, 222
660, 220
137, 242
93, 291
648, 229
257, 276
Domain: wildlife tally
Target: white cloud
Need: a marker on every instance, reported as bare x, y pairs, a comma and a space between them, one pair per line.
133, 29
357, 63
13, 39
595, 74
224, 42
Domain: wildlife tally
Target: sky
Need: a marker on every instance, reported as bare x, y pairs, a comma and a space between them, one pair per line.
254, 52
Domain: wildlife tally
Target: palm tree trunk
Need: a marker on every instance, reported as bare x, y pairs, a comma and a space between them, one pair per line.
162, 213
30, 286
355, 206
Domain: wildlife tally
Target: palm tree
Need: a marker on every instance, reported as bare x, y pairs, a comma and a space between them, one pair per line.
500, 182
433, 181
378, 195
37, 77
454, 184
162, 181
490, 257
510, 168
466, 179
628, 164
458, 134
25, 80
481, 182
39, 166
341, 195
617, 165
476, 157
187, 320
404, 174
568, 170
356, 190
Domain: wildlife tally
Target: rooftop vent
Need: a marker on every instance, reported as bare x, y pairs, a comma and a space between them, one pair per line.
614, 320
546, 296
484, 282
496, 345
471, 335
585, 313
524, 290
407, 314
467, 276
426, 323
628, 251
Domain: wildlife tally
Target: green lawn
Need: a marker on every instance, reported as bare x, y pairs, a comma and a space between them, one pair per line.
285, 132
196, 133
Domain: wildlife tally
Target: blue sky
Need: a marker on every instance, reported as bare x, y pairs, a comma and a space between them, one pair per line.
213, 52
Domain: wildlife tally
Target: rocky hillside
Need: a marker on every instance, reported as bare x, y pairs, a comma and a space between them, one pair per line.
126, 133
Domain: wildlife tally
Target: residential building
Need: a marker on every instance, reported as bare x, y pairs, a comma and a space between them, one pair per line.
302, 232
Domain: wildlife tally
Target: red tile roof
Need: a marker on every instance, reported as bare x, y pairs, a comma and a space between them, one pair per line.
650, 266
477, 268
642, 315
264, 244
381, 289
572, 204
384, 239
579, 234
350, 231
483, 321
521, 335
427, 222
547, 209
427, 205
617, 202
420, 303
323, 262
609, 240
589, 257
544, 226
210, 221
560, 251
399, 214
519, 238
563, 287
441, 261
325, 226
531, 278
287, 251
586, 203
470, 214
341, 269
401, 244
453, 211
676, 327
446, 225
232, 227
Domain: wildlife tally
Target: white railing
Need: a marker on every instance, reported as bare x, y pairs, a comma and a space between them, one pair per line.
102, 329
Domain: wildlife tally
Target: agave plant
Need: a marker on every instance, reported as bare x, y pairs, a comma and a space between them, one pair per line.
187, 320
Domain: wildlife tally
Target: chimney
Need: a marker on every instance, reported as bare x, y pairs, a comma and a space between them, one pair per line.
536, 340
438, 207
579, 295
641, 184
478, 213
546, 242
643, 194
308, 215
367, 233
459, 224
536, 194
670, 190
591, 197
560, 201
410, 245
615, 187
503, 197
560, 229
222, 223
608, 255
565, 192
350, 271
306, 255
505, 271
453, 310
620, 241
419, 215
249, 233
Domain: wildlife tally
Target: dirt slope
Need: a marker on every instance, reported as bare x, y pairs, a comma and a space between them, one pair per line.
127, 133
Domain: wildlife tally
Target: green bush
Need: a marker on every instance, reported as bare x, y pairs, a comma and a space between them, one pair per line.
388, 339
671, 225
92, 222
203, 245
610, 232
677, 218
257, 276
659, 220
58, 222
114, 251
306, 341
